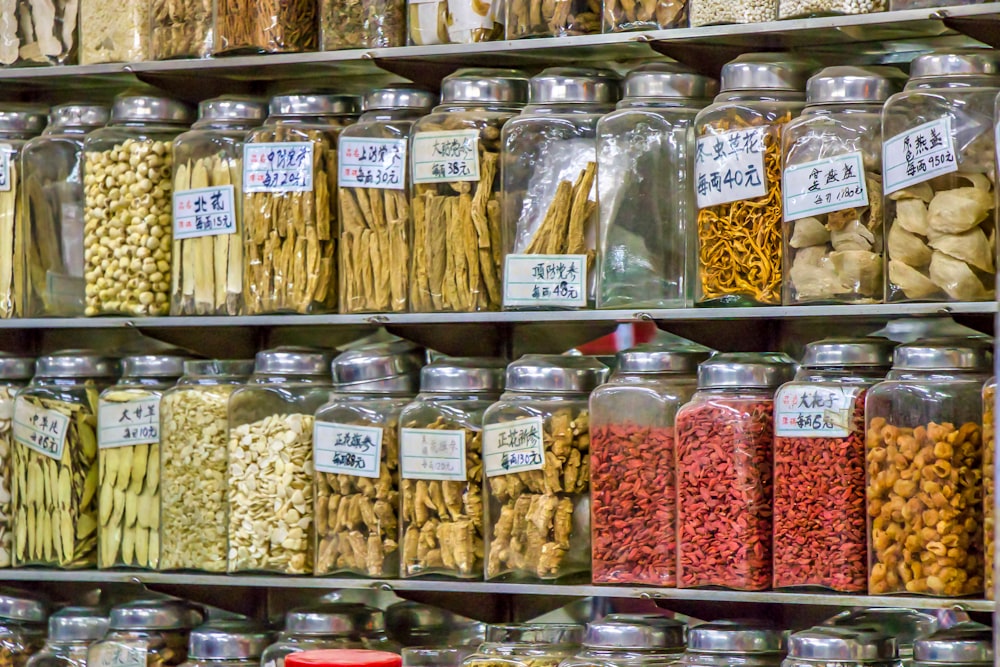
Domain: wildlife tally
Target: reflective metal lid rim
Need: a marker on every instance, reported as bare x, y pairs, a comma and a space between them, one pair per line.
535, 633
906, 625
574, 85
293, 361
955, 63
965, 643
377, 361
944, 354
13, 367
752, 370
335, 618
735, 637
635, 631
399, 97
17, 605
229, 640
78, 624
153, 615
842, 644
553, 373
76, 363
147, 107
233, 108
218, 367
842, 352
77, 114
153, 365
486, 86
767, 71
463, 374
848, 84
314, 104
668, 80
22, 118
661, 358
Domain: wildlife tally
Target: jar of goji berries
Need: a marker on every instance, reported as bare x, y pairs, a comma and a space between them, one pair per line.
989, 484
841, 647
724, 440
527, 645
924, 483
819, 453
632, 463
630, 640
967, 644
734, 644
535, 445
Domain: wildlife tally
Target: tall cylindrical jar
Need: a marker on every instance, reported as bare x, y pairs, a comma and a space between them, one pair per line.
647, 222
939, 179
276, 405
632, 492
924, 481
332, 625
832, 188
225, 643
819, 454
440, 446
150, 632
966, 644
207, 254
22, 626
241, 27
734, 644
52, 198
455, 172
116, 33
194, 490
71, 632
373, 191
357, 459
989, 484
548, 168
180, 29
535, 444
737, 178
724, 475
55, 439
636, 640
15, 372
290, 204
842, 647
127, 219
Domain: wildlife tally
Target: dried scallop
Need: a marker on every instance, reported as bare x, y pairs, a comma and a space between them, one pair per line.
955, 277
858, 270
958, 210
911, 214
808, 232
914, 284
907, 248
853, 236
971, 247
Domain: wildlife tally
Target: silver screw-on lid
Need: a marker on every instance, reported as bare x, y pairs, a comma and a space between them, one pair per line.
766, 71
944, 354
77, 115
293, 361
841, 644
486, 86
967, 643
906, 625
17, 605
846, 84
315, 104
153, 365
535, 633
955, 63
766, 370
416, 624
13, 367
78, 624
735, 637
76, 363
574, 85
399, 97
233, 108
669, 80
555, 373
22, 118
218, 367
228, 640
661, 358
335, 618
376, 362
154, 615
463, 374
635, 631
132, 107
835, 352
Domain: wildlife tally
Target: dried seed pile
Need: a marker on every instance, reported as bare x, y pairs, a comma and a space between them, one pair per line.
801, 8
362, 24
552, 18
989, 489
114, 32
181, 29
266, 26
713, 12
374, 250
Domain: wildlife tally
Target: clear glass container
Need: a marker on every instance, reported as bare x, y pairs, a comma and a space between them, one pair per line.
276, 405
967, 644
441, 445
240, 27
128, 435
527, 645
128, 216
841, 647
414, 624
180, 29
832, 178
989, 485
290, 204
619, 16
452, 22
194, 494
71, 632
535, 444
207, 271
357, 459
335, 625
55, 438
38, 34
905, 625
22, 626
899, 5
724, 472
370, 24
15, 372
153, 633
738, 178
940, 197
630, 640
548, 168
373, 191
647, 223
562, 18
53, 208
475, 105
710, 12
236, 643
819, 454
788, 9
632, 491
114, 33
436, 656
734, 644
924, 471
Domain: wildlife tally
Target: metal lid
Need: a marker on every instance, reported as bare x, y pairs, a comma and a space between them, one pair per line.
399, 97
293, 361
133, 107
234, 108
153, 365
854, 84
841, 644
483, 86
669, 80
221, 367
335, 618
228, 640
315, 104
769, 71
13, 367
955, 63
376, 361
415, 624
78, 624
22, 118
943, 354
76, 363
555, 373
468, 374
153, 615
635, 631
848, 352
661, 358
735, 637
16, 605
766, 370
966, 643
535, 633
77, 114
574, 85
906, 625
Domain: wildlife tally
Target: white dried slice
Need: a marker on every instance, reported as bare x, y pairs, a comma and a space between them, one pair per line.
958, 210
907, 248
912, 215
859, 271
854, 236
812, 275
955, 277
971, 247
808, 232
915, 285
979, 181
921, 191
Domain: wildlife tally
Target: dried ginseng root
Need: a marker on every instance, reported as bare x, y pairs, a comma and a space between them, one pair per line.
625, 15
570, 213
374, 250
554, 18
181, 29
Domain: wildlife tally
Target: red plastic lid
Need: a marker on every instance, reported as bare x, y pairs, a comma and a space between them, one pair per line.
343, 657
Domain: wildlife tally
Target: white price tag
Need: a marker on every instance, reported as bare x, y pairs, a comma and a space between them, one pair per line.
347, 449
40, 429
6, 150
515, 446
729, 166
814, 411
440, 157
119, 655
825, 186
123, 424
545, 280
204, 212
278, 167
372, 163
918, 155
430, 453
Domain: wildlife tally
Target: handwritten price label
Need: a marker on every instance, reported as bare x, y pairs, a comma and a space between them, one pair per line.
372, 163
729, 166
6, 150
278, 167
204, 212
40, 429
119, 655
122, 424
818, 411
429, 453
545, 280
825, 186
918, 155
440, 157
515, 446
347, 449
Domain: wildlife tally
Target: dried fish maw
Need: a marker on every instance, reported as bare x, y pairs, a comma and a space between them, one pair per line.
915, 285
955, 277
859, 271
958, 210
813, 277
808, 232
853, 236
979, 181
971, 247
921, 191
912, 215
907, 248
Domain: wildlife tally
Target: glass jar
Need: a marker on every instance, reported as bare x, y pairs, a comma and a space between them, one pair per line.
898, 5
905, 625
632, 492
335, 625
372, 24
646, 222
345, 657
357, 459
475, 105
630, 640
832, 182
841, 647
287, 27
441, 444
924, 482
38, 34
967, 644
276, 405
290, 204
660, 15
527, 645
53, 202
153, 633
207, 272
415, 624
436, 656
737, 178
22, 626
940, 208
15, 372
117, 33
549, 161
128, 217
373, 191
788, 9
734, 644
128, 435
989, 483
708, 12
819, 454
194, 495
535, 444
453, 22
55, 437
180, 29
564, 18
236, 643
71, 632
724, 476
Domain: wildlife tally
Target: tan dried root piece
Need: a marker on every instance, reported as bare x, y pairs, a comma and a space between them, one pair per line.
12, 247
564, 228
375, 222
625, 15
552, 18
270, 26
362, 24
181, 28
